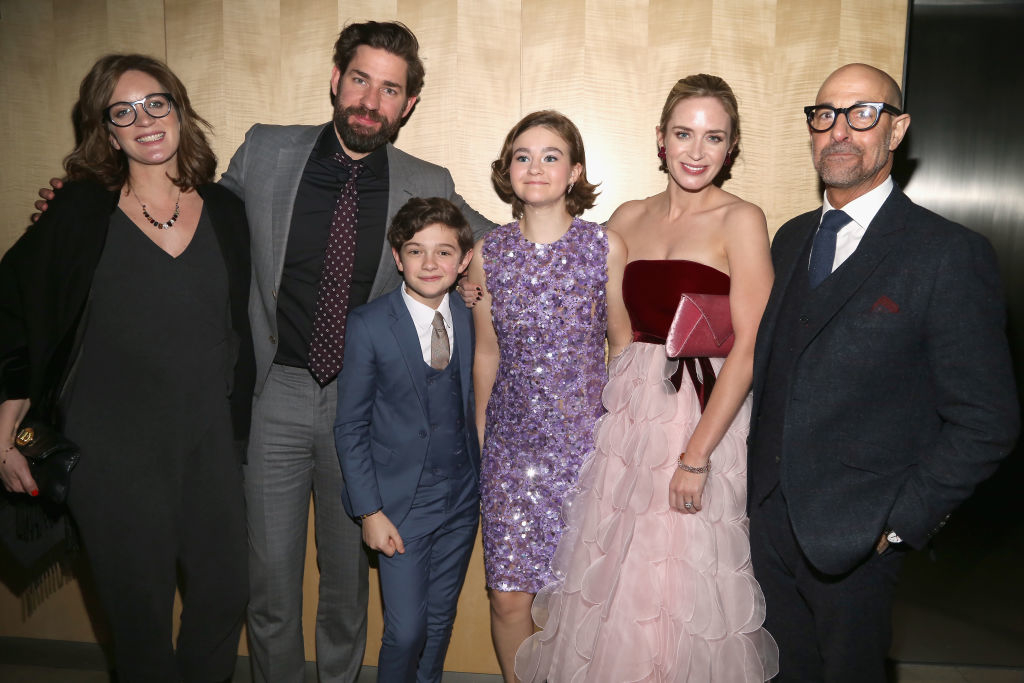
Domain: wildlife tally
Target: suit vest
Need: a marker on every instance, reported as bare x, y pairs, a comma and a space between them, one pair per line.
446, 454
793, 328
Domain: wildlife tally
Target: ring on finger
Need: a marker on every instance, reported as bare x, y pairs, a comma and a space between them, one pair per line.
688, 505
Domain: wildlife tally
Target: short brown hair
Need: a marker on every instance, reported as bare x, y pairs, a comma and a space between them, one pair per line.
704, 85
583, 193
93, 156
391, 36
420, 212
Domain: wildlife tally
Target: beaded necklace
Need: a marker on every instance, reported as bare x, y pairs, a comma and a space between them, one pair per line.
157, 224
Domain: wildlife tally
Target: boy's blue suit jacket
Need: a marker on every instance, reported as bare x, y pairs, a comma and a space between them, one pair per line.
382, 428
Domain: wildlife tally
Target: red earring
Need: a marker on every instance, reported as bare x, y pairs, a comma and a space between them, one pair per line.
661, 152
728, 159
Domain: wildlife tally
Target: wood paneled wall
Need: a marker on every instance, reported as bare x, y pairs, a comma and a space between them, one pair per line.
608, 64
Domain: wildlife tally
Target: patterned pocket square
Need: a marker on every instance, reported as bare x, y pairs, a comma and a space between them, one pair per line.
885, 305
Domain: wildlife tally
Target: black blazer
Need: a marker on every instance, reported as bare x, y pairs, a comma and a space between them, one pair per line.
902, 399
45, 280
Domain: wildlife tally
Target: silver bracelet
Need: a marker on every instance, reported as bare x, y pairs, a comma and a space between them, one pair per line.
694, 470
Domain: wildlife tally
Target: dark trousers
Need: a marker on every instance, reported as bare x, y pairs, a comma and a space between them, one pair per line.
828, 628
144, 518
421, 587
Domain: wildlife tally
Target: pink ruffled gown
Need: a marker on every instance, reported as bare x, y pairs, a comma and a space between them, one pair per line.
643, 591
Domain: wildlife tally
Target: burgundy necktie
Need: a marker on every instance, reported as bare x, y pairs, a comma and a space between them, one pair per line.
327, 347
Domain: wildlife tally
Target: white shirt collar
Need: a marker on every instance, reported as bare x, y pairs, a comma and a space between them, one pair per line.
862, 210
423, 320
423, 315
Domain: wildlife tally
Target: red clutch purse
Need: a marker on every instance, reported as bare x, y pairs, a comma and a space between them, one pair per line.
701, 328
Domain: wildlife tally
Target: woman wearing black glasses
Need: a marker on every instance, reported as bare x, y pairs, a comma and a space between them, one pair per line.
123, 319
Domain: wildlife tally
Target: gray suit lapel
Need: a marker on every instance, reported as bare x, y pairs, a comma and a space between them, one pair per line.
291, 162
399, 192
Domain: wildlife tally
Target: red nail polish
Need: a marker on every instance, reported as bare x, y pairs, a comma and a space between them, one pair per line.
35, 492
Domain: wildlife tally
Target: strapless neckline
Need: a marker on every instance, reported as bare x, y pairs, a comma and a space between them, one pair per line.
651, 289
639, 262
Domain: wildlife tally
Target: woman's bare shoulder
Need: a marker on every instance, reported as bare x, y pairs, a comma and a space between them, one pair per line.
742, 215
630, 213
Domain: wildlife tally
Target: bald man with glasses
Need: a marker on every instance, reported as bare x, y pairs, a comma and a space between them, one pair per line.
883, 389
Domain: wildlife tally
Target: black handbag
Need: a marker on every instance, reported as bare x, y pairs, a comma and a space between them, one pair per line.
50, 455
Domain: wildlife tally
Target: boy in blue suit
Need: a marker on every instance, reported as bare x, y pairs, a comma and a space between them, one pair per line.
406, 437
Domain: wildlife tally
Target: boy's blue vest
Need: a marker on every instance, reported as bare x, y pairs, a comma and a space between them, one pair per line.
447, 453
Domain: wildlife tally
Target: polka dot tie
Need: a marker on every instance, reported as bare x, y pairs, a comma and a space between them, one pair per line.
327, 347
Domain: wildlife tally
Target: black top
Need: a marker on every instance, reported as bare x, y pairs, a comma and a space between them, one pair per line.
46, 276
157, 349
322, 180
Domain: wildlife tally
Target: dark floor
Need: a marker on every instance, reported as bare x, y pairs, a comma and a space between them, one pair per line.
958, 616
906, 673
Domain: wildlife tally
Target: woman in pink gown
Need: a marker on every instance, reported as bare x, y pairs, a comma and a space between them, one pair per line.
654, 581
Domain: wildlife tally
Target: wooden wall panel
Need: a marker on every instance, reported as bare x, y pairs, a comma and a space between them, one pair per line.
484, 97
741, 51
806, 40
198, 60
308, 29
616, 131
27, 109
607, 64
252, 65
679, 44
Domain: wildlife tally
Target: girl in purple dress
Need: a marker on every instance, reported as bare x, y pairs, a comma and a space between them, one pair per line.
551, 293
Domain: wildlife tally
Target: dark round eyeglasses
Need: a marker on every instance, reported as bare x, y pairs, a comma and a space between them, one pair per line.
157, 105
861, 116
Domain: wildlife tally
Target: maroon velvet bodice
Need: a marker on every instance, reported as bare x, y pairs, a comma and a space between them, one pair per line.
651, 291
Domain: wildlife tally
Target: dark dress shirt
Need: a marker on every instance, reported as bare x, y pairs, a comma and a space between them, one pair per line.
322, 179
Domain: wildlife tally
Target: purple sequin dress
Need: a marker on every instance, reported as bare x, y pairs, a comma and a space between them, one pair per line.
550, 316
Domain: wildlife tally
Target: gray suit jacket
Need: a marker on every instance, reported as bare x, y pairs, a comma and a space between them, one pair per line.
902, 395
265, 172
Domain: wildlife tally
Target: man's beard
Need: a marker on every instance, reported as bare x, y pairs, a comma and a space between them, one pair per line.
355, 139
848, 177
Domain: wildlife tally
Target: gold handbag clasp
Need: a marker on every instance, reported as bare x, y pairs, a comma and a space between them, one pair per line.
25, 437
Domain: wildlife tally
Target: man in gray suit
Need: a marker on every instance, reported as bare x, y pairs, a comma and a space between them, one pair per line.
289, 178
883, 389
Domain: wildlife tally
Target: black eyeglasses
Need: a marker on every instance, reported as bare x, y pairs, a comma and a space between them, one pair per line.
157, 105
861, 116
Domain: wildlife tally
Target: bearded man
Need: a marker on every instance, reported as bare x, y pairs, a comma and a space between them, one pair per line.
319, 200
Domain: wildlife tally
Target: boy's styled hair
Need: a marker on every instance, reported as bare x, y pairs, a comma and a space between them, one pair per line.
419, 212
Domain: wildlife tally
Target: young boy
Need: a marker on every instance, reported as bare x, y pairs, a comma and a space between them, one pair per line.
406, 437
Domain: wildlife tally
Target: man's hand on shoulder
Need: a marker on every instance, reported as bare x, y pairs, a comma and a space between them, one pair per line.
381, 535
47, 194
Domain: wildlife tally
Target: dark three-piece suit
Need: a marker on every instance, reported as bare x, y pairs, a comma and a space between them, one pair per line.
880, 399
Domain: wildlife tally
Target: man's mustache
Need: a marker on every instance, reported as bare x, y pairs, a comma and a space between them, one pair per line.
364, 113
840, 148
